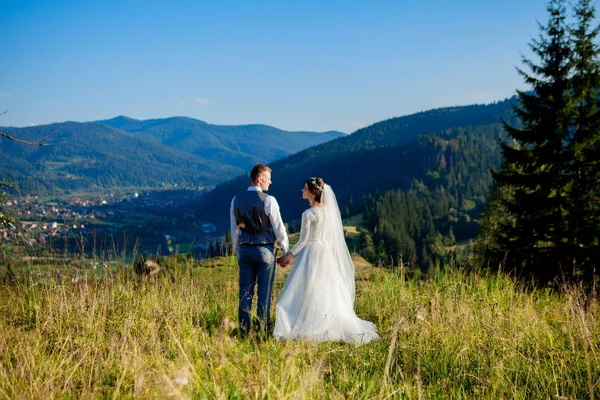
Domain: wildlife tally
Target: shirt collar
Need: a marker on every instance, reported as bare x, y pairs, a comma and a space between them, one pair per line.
254, 189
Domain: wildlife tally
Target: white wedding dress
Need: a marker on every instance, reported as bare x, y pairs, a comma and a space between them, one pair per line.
317, 300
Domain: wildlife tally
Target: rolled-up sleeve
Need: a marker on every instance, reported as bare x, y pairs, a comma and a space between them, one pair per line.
272, 210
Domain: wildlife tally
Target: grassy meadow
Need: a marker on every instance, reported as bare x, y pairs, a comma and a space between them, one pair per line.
173, 335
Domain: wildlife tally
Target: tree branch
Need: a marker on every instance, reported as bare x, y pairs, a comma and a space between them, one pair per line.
36, 143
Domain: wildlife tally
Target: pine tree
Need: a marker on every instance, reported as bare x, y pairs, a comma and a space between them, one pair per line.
531, 239
584, 146
489, 252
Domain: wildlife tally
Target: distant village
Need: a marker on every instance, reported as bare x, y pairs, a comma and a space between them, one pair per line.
156, 216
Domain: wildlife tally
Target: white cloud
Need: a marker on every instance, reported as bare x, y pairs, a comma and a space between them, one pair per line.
201, 100
4, 95
33, 124
181, 103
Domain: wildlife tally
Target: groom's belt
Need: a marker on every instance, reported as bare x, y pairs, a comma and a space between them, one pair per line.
256, 239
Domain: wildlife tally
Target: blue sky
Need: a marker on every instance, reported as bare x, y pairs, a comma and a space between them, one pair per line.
302, 65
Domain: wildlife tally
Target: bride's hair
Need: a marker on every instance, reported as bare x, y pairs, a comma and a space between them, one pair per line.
315, 186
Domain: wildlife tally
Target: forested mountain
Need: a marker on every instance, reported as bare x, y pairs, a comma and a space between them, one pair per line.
422, 177
88, 155
241, 146
176, 150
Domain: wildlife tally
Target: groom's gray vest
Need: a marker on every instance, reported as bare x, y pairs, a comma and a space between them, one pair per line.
250, 216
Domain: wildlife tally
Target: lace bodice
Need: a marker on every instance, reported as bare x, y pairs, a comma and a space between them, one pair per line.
312, 229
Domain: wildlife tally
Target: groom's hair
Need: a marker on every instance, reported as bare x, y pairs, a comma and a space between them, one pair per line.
257, 170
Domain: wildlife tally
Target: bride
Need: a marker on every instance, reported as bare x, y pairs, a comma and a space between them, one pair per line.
317, 300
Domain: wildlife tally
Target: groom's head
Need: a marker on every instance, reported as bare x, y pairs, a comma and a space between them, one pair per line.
261, 176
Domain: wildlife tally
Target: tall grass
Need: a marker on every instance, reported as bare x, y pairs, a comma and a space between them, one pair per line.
452, 336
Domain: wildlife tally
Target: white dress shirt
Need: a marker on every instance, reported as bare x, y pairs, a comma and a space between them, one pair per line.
272, 210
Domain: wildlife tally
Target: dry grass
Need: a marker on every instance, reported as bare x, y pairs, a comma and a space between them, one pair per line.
453, 336
362, 268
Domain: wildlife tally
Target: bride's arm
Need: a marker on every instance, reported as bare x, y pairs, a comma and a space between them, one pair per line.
307, 217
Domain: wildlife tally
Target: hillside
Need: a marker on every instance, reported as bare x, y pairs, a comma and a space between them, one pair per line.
457, 335
240, 146
89, 155
421, 180
154, 153
386, 155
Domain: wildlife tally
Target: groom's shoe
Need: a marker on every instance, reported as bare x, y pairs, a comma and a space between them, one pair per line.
236, 333
256, 325
263, 331
242, 331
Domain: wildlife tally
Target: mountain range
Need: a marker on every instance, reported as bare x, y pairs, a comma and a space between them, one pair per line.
240, 146
397, 153
125, 152
420, 181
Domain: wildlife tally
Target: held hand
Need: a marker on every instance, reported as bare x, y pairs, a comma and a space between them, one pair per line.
281, 262
285, 260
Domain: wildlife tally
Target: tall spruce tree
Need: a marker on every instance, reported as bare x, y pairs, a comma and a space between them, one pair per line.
527, 229
584, 147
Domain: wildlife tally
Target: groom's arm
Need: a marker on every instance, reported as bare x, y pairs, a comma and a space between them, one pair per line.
234, 228
272, 210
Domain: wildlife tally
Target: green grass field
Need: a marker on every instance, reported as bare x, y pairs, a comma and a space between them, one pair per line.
172, 335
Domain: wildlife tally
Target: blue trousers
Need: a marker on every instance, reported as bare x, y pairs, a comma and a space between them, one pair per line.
257, 266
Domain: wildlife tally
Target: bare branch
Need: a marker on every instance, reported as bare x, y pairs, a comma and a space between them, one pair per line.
38, 143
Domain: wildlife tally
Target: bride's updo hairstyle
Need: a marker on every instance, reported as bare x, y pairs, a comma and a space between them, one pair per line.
315, 186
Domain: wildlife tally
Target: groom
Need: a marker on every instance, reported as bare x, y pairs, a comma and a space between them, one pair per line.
255, 226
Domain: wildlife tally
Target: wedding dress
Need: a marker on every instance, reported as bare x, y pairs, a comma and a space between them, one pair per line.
317, 300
